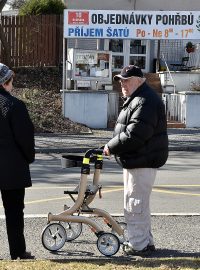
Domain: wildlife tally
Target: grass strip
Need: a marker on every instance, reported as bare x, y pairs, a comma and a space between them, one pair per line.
105, 264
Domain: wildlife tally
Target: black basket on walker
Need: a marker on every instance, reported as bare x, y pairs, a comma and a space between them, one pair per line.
69, 161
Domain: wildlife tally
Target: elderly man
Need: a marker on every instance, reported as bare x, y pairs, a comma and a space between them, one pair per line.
140, 146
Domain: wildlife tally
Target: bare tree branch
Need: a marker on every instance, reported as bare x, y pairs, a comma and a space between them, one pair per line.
2, 4
16, 4
65, 3
4, 43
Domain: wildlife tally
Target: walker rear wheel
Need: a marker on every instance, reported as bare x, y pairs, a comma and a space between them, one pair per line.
108, 244
53, 236
73, 230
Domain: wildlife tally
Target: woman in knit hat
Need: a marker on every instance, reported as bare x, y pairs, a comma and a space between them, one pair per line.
16, 153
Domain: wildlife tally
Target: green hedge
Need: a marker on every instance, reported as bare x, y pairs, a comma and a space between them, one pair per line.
37, 7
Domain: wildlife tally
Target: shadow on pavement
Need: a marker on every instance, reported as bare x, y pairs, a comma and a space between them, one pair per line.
141, 262
158, 254
171, 253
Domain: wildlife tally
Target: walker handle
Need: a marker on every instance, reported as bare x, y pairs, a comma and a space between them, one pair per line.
98, 151
93, 151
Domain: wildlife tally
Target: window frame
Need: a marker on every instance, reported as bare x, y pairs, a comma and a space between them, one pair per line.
126, 53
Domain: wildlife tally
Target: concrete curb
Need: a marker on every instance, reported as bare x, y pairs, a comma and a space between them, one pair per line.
84, 149
119, 215
185, 148
61, 150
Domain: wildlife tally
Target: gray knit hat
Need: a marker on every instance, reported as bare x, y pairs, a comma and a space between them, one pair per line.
5, 73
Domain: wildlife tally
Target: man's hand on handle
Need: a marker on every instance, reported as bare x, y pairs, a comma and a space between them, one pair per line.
106, 151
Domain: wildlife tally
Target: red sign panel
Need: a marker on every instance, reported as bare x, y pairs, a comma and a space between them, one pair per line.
78, 17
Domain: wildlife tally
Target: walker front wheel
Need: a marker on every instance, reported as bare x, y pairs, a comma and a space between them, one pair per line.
108, 244
122, 238
53, 236
73, 230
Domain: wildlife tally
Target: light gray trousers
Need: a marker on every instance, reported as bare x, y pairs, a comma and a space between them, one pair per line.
138, 185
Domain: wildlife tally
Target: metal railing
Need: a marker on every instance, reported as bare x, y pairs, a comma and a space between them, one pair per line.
171, 101
170, 75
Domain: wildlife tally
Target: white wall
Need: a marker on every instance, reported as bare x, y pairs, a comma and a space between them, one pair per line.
167, 5
92, 108
134, 4
100, 4
190, 109
183, 80
86, 108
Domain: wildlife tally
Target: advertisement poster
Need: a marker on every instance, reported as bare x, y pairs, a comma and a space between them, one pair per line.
92, 65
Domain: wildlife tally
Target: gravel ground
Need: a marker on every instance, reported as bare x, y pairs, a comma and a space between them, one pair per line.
179, 139
175, 236
184, 139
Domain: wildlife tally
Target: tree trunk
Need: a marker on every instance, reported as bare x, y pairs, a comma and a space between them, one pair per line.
6, 47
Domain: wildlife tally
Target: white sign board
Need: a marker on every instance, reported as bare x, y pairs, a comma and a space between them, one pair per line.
86, 58
121, 24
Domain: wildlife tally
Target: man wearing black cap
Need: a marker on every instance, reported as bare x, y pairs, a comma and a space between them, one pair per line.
140, 146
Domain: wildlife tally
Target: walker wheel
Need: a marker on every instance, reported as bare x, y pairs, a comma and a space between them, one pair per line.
73, 230
122, 238
53, 236
108, 244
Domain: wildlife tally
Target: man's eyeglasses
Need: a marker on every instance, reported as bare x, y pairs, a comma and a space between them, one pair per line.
123, 81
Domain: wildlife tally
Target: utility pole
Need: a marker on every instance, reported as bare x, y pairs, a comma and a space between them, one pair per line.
158, 57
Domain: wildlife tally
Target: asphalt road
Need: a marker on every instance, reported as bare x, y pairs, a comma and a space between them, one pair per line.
176, 190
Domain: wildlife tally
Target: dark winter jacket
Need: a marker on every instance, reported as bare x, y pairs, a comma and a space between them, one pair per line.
140, 135
16, 142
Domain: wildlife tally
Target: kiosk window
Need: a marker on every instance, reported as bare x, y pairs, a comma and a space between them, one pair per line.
117, 62
137, 47
130, 51
116, 45
139, 61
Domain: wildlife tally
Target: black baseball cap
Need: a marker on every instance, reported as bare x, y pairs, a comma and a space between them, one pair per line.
128, 72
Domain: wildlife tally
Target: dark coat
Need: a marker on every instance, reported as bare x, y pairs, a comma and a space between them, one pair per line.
140, 135
16, 142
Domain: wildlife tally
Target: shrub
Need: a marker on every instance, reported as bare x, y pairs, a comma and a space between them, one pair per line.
37, 7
